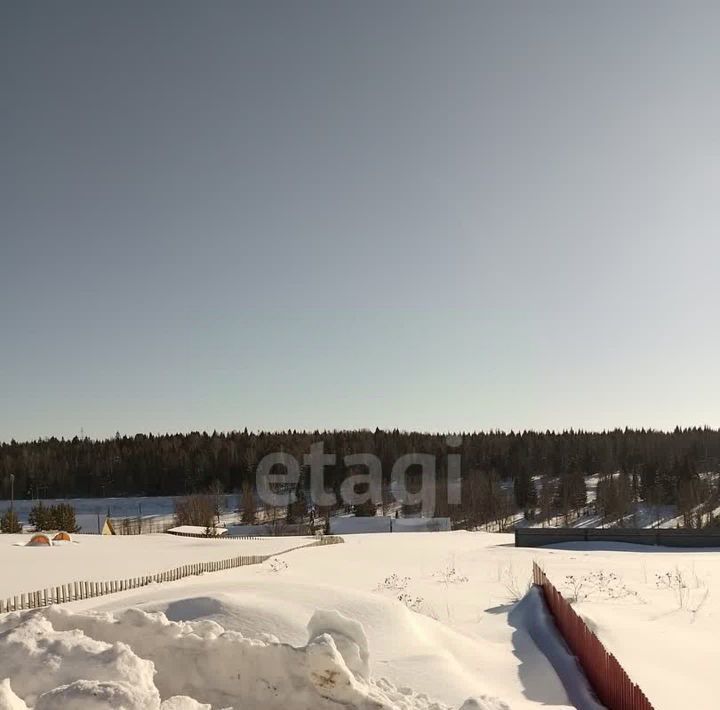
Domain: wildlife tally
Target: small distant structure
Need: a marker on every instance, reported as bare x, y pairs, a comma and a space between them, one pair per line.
40, 540
95, 524
62, 536
107, 528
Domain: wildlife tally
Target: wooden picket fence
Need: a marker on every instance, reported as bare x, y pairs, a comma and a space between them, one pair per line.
608, 678
75, 591
214, 537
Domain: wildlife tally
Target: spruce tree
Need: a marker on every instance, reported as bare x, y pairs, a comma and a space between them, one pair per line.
9, 522
40, 517
367, 509
62, 517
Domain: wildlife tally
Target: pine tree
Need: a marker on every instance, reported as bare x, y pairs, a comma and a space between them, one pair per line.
62, 517
40, 517
624, 495
9, 522
367, 509
296, 509
249, 505
532, 495
524, 490
579, 491
546, 498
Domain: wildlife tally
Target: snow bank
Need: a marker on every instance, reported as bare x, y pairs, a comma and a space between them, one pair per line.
44, 663
349, 637
132, 659
533, 615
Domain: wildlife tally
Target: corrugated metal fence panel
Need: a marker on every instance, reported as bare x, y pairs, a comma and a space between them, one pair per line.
538, 537
611, 683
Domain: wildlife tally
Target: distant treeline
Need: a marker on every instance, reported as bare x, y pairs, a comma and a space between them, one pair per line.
535, 471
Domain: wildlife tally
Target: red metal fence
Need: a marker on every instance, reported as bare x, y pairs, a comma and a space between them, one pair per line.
607, 677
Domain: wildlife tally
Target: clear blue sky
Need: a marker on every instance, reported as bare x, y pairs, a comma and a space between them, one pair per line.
442, 215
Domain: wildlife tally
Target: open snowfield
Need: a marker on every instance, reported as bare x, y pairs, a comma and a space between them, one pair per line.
381, 621
97, 557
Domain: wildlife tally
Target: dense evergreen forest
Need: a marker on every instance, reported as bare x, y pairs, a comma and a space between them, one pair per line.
542, 473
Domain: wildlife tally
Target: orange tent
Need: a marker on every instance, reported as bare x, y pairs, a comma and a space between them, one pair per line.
62, 535
39, 539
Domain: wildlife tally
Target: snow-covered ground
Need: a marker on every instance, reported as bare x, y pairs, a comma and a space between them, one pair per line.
383, 620
98, 558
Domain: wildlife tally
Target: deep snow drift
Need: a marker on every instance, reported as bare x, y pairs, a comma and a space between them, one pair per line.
134, 659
